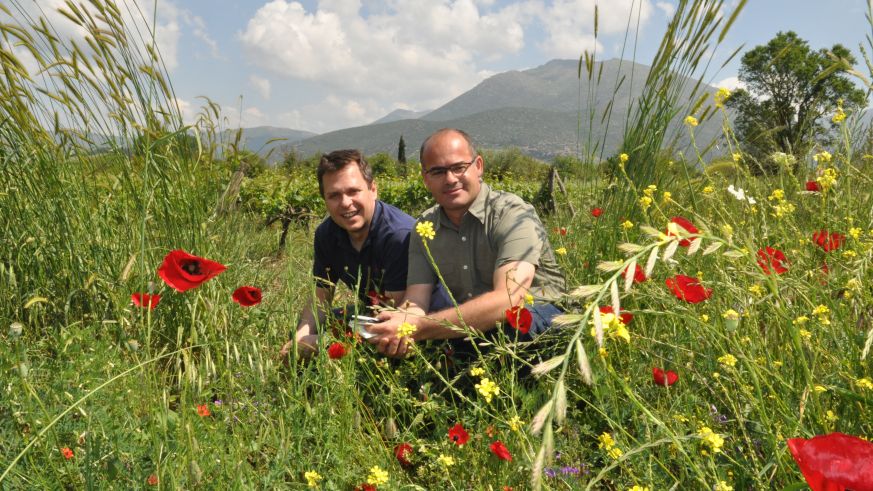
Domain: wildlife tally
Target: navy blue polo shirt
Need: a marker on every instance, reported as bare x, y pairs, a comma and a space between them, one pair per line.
382, 261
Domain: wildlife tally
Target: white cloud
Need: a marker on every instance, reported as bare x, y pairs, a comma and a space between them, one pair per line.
569, 24
262, 85
668, 8
731, 83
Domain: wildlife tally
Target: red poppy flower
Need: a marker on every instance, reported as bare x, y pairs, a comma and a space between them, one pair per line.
365, 487
403, 451
813, 186
688, 289
247, 296
596, 212
688, 226
67, 453
561, 230
336, 350
834, 462
772, 259
377, 298
203, 410
625, 317
145, 300
519, 318
829, 241
458, 435
661, 377
639, 274
500, 450
152, 480
184, 271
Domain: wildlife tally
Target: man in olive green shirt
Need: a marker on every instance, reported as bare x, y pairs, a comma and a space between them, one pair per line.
489, 246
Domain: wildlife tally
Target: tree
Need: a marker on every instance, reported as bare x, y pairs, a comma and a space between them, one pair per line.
790, 91
401, 151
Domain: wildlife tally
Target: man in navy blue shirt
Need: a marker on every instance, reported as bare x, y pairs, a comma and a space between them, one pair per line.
364, 243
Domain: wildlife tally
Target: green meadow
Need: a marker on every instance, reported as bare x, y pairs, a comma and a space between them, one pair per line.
750, 314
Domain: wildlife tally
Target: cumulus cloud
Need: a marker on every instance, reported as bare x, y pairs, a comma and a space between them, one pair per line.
262, 85
570, 23
731, 83
668, 8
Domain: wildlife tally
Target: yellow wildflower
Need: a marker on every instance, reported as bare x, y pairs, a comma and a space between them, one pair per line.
637, 487
704, 317
822, 157
855, 232
722, 486
727, 360
822, 313
446, 460
827, 179
627, 225
515, 423
645, 202
849, 254
777, 195
865, 383
727, 230
691, 121
800, 320
406, 329
425, 230
312, 478
819, 389
602, 352
561, 251
731, 315
831, 416
528, 299
667, 196
650, 190
737, 156
721, 96
615, 453
623, 158
605, 440
710, 438
488, 389
804, 333
477, 371
839, 115
377, 476
708, 190
757, 289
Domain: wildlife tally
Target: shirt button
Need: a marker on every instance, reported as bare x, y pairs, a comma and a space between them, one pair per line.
463, 238
465, 267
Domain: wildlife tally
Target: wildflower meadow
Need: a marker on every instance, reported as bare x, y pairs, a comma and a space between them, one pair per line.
716, 335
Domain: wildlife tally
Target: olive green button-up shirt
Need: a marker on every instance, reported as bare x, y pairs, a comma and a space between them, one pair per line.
499, 228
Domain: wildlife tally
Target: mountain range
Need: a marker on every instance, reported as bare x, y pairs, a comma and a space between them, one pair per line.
544, 111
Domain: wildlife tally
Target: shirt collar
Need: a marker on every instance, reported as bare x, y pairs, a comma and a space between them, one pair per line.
477, 208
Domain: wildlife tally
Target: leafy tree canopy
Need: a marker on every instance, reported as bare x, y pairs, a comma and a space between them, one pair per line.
790, 96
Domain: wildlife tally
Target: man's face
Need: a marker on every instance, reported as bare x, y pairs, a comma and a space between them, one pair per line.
448, 153
350, 201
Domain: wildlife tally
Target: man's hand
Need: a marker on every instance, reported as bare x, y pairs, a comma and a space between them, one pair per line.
386, 336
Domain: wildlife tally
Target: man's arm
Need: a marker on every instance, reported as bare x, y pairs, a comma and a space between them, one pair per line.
511, 282
314, 313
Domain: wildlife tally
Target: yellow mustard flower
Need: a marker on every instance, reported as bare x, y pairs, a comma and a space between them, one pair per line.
627, 225
487, 388
446, 460
667, 196
425, 230
819, 389
756, 289
623, 158
312, 478
637, 487
728, 360
823, 157
831, 416
650, 190
804, 333
406, 329
691, 121
722, 486
710, 438
731, 315
800, 320
827, 179
855, 233
561, 251
777, 195
721, 96
605, 441
515, 423
528, 299
865, 383
736, 157
645, 202
704, 317
377, 476
708, 190
477, 371
615, 453
839, 115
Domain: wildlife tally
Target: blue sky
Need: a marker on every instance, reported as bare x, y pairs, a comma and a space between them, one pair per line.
321, 65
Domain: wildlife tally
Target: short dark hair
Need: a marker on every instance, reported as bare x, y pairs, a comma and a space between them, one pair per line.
467, 138
337, 160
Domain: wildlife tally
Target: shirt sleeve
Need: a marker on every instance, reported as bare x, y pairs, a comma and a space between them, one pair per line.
420, 270
324, 278
519, 234
395, 260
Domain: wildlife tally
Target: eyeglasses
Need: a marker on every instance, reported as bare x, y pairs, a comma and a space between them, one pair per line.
457, 169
